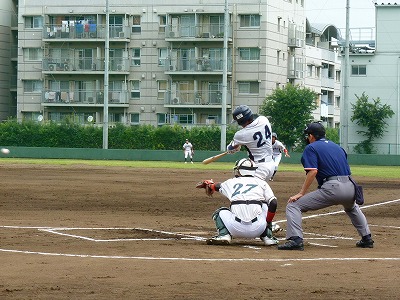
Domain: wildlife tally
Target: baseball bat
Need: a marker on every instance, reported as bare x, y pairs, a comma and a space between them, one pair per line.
214, 158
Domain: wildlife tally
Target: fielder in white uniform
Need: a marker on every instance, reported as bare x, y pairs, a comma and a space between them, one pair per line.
188, 151
255, 136
252, 207
277, 149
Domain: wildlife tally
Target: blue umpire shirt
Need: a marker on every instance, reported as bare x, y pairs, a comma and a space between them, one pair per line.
327, 157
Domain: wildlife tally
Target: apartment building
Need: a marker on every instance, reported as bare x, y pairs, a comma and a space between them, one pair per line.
166, 59
8, 58
375, 70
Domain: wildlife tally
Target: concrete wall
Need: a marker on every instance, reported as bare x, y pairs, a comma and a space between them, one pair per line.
172, 155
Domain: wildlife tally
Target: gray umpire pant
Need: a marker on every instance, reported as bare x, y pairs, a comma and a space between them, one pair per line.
338, 191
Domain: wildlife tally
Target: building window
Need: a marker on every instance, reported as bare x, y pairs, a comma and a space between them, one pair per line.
278, 58
249, 87
162, 88
135, 89
358, 70
33, 54
136, 27
318, 72
250, 21
338, 73
31, 116
161, 119
34, 22
162, 56
309, 70
135, 119
249, 53
183, 119
136, 57
337, 101
162, 23
33, 86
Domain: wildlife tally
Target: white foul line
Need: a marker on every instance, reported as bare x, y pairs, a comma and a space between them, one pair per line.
207, 259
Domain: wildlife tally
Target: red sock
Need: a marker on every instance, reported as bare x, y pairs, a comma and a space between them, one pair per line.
270, 216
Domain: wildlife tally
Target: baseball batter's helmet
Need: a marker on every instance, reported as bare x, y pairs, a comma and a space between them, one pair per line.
242, 114
244, 167
316, 129
274, 135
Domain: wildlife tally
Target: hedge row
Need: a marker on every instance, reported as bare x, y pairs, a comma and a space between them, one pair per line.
71, 135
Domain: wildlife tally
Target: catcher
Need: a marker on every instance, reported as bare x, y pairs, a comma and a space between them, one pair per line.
252, 206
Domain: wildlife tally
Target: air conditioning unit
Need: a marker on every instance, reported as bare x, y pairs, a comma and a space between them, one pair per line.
67, 67
121, 34
171, 34
206, 35
52, 67
120, 67
175, 100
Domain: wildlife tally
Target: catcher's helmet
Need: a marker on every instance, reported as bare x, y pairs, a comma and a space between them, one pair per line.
244, 167
316, 129
274, 135
242, 114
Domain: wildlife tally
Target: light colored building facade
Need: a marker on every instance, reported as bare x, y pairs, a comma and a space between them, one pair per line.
166, 60
375, 70
8, 58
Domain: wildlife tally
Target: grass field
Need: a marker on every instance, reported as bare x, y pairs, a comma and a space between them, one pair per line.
368, 171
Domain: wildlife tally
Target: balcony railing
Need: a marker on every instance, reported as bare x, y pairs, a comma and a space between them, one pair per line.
203, 97
84, 31
204, 31
84, 97
84, 64
196, 65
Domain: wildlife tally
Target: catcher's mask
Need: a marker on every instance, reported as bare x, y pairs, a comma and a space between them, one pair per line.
244, 167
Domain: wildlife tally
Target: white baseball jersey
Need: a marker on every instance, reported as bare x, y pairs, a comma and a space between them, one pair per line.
246, 220
187, 146
277, 148
256, 138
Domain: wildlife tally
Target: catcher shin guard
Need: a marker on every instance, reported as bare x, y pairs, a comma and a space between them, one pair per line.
222, 230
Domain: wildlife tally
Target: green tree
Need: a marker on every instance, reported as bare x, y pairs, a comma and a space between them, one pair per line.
289, 110
371, 115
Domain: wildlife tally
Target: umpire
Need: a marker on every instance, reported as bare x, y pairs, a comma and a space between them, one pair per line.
327, 163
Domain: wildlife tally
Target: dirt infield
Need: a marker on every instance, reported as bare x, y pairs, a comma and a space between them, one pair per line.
87, 232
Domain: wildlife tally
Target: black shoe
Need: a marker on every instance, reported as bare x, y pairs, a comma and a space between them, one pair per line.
365, 244
291, 245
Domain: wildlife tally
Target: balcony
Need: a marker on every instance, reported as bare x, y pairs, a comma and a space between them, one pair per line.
84, 98
84, 65
88, 32
201, 32
201, 99
196, 65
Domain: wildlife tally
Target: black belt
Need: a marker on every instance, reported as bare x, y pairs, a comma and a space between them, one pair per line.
239, 220
334, 178
247, 202
261, 160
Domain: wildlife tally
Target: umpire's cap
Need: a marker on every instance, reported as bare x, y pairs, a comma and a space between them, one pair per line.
316, 129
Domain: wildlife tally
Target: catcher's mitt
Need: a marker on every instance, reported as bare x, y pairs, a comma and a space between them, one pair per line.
208, 185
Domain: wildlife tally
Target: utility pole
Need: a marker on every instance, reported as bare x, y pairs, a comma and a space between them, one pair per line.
106, 64
344, 124
225, 78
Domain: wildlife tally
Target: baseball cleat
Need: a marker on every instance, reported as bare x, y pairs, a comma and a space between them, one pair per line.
220, 240
365, 244
291, 245
275, 228
269, 241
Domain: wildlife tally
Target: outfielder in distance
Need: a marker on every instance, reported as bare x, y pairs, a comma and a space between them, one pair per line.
188, 151
252, 206
277, 149
255, 136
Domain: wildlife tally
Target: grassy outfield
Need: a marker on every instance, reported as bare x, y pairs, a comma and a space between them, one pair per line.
369, 171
